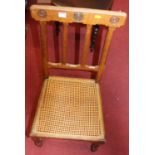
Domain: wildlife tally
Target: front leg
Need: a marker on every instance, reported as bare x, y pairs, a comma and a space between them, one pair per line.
38, 141
94, 146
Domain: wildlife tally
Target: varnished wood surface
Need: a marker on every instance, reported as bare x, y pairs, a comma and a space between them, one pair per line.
105, 53
44, 49
73, 66
90, 16
65, 43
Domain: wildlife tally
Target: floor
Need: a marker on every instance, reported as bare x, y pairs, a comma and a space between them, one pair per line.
114, 85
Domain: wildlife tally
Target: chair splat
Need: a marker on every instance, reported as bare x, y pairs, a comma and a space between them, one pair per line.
65, 43
44, 47
86, 45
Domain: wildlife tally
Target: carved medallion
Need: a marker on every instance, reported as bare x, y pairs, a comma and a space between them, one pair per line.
114, 19
78, 16
42, 13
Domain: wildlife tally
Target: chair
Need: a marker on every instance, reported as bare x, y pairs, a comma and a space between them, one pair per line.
71, 108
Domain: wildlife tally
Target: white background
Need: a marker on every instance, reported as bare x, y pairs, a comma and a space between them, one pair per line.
142, 77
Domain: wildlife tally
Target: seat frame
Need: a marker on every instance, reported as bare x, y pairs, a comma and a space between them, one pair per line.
66, 15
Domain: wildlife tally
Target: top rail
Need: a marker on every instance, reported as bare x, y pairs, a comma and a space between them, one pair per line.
80, 15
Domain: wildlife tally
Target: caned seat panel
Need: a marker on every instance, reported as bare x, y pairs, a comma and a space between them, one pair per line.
69, 108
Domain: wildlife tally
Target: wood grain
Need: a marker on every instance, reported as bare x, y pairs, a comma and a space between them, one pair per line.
44, 49
73, 66
65, 43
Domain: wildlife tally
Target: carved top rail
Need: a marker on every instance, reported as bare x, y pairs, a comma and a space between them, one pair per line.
80, 15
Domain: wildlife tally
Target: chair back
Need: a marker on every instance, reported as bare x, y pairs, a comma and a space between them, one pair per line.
89, 17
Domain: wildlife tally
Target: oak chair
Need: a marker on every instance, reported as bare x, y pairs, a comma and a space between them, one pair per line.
71, 108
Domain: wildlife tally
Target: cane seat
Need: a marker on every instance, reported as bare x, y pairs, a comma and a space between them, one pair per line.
69, 108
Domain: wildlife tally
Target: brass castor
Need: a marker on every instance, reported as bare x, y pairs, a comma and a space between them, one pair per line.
94, 147
38, 142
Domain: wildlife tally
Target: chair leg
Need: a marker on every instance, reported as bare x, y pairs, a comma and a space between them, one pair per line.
94, 146
38, 141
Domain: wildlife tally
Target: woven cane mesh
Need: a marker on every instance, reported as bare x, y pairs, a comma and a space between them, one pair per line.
69, 107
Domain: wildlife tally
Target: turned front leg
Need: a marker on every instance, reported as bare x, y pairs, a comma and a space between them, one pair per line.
94, 146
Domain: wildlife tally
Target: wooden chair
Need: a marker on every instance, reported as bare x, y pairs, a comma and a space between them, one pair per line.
71, 108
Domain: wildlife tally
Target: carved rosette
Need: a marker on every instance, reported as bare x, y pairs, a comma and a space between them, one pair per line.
78, 16
114, 20
42, 13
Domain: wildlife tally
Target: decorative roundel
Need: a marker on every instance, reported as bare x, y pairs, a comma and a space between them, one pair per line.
78, 16
42, 13
114, 19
